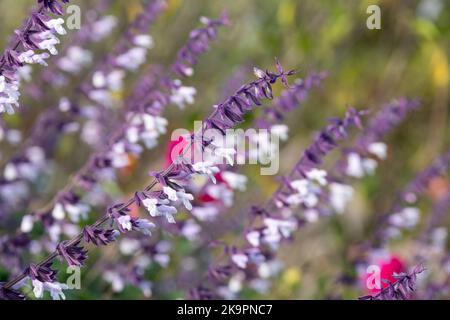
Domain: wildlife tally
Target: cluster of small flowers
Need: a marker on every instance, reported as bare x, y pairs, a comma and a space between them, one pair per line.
34, 45
76, 56
144, 255
130, 53
158, 203
277, 221
142, 126
406, 215
29, 163
359, 160
217, 194
71, 204
51, 120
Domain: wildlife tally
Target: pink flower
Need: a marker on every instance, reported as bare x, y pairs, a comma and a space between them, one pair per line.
389, 266
174, 149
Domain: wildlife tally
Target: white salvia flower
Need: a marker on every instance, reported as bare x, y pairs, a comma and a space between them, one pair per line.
144, 40
64, 104
240, 260
370, 165
58, 211
253, 238
145, 226
301, 186
49, 44
188, 71
115, 80
158, 208
115, 280
14, 136
358, 167
354, 166
70, 230
311, 215
129, 246
340, 195
167, 212
103, 27
132, 134
76, 59
222, 193
10, 95
311, 200
146, 288
185, 199
208, 169
204, 20
55, 289
57, 25
101, 96
31, 58
307, 193
77, 211
150, 205
439, 238
319, 176
125, 222
25, 73
2, 83
191, 230
119, 156
407, 218
27, 224
54, 232
38, 289
99, 79
10, 173
182, 96
205, 213
162, 259
235, 283
132, 59
35, 154
281, 130
171, 193
234, 180
161, 124
411, 216
378, 149
227, 153
283, 227
259, 73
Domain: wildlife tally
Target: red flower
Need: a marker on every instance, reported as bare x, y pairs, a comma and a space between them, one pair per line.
175, 149
388, 267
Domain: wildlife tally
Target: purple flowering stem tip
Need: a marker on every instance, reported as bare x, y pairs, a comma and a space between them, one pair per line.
398, 290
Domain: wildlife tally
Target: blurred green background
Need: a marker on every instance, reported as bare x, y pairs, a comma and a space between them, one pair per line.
409, 56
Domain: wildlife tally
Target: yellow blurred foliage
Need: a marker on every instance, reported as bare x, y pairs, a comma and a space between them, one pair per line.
133, 9
173, 5
289, 281
425, 28
286, 13
439, 67
291, 277
117, 95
